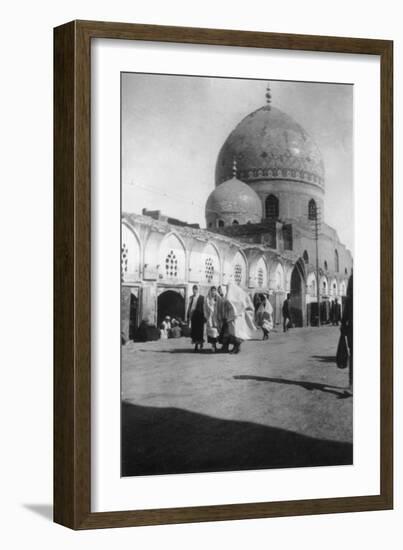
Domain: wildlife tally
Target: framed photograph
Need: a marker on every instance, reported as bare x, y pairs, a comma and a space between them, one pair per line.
216, 193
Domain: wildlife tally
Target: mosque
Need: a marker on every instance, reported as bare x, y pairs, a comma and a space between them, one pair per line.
264, 231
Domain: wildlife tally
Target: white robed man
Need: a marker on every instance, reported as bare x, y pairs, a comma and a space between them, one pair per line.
264, 316
213, 307
238, 316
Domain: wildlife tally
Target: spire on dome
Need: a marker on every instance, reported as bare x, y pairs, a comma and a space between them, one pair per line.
268, 95
234, 168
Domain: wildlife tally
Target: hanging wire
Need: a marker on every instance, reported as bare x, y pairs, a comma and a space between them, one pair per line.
174, 196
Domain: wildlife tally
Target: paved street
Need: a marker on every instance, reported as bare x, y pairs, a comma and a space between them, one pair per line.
279, 403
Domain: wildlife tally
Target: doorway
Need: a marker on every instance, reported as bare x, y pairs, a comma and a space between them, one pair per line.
297, 300
171, 303
129, 312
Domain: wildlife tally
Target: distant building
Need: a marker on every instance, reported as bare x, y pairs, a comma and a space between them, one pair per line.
260, 232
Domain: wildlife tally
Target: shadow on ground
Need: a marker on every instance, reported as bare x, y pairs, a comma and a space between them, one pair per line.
325, 358
160, 440
190, 349
340, 393
43, 510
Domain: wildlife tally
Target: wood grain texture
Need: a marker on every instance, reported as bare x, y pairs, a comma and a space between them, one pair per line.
386, 282
64, 379
72, 274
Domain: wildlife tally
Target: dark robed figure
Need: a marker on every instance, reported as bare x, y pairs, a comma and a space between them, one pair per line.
347, 325
195, 315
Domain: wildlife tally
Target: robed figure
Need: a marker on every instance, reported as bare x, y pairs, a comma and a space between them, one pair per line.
264, 316
347, 326
213, 313
238, 316
196, 319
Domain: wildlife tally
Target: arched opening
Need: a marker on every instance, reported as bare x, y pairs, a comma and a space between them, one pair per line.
325, 265
312, 210
324, 287
297, 300
311, 286
235, 222
311, 300
261, 273
130, 255
324, 300
272, 209
306, 257
277, 285
277, 279
343, 287
172, 259
220, 223
336, 261
239, 269
210, 265
170, 303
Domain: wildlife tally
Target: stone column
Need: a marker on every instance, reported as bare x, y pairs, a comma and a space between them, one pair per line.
149, 304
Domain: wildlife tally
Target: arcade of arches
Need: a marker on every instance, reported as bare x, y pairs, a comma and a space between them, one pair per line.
160, 264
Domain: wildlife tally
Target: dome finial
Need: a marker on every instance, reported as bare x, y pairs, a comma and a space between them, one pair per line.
268, 95
234, 168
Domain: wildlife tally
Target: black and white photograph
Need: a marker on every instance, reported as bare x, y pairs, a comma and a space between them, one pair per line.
237, 247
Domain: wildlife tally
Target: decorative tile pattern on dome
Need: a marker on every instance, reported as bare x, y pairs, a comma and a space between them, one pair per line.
270, 144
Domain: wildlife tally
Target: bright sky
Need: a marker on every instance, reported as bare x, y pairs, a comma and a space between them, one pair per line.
174, 126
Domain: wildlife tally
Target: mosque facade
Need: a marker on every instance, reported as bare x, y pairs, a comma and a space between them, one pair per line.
264, 232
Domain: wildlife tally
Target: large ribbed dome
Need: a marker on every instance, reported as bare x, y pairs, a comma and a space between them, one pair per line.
232, 201
268, 145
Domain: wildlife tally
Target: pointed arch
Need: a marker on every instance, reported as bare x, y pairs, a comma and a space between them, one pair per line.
172, 258
211, 264
260, 277
298, 293
324, 286
239, 268
277, 277
334, 288
311, 285
130, 253
300, 267
343, 288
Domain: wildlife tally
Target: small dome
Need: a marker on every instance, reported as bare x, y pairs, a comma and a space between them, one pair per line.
233, 202
268, 145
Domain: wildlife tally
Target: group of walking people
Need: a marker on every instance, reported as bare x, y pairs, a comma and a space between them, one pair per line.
229, 318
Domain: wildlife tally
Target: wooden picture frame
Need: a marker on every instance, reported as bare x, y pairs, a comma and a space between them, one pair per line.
72, 274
